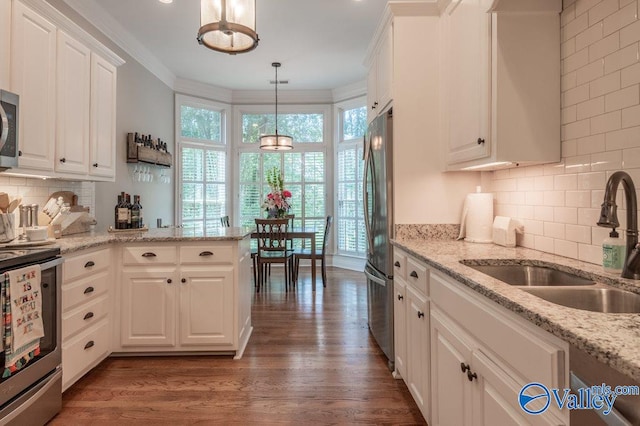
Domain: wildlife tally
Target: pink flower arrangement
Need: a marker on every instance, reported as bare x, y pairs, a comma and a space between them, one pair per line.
276, 204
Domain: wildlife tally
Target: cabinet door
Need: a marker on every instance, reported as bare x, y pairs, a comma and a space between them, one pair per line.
495, 397
72, 112
468, 72
148, 304
400, 327
206, 313
372, 99
103, 118
418, 349
452, 403
384, 67
33, 73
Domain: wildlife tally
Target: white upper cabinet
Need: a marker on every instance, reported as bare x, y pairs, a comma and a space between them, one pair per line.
5, 42
502, 74
103, 118
66, 81
33, 78
468, 30
380, 76
72, 123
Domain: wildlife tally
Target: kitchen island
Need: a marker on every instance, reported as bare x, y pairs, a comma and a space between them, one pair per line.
165, 291
611, 338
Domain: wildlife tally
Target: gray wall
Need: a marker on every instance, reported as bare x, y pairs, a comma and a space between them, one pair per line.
145, 105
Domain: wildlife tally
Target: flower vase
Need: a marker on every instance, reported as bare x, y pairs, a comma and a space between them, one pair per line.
272, 213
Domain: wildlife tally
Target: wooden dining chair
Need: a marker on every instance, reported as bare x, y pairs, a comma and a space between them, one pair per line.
272, 248
306, 254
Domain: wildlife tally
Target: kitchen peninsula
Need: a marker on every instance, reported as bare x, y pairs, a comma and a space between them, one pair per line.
168, 290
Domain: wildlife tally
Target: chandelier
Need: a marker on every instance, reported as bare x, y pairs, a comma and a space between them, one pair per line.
228, 26
276, 142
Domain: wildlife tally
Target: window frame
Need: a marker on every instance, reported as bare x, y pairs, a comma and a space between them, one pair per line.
325, 146
340, 144
181, 142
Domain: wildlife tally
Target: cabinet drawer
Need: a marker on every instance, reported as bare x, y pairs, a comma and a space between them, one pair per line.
213, 254
399, 264
85, 351
84, 290
417, 276
149, 255
501, 334
85, 264
84, 317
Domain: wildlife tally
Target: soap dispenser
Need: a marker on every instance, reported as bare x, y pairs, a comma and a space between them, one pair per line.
613, 253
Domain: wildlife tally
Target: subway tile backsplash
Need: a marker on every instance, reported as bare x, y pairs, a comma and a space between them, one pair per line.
37, 191
559, 204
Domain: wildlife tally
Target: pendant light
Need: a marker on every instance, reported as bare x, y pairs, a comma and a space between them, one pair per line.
276, 142
228, 26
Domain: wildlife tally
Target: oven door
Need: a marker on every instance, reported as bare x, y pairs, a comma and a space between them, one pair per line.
50, 358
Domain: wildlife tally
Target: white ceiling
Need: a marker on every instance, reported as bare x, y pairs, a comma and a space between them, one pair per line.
320, 43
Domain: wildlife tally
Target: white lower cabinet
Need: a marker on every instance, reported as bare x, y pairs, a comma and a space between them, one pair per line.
463, 357
87, 279
482, 356
411, 328
184, 297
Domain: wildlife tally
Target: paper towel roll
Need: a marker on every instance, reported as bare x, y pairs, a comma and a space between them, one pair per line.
479, 218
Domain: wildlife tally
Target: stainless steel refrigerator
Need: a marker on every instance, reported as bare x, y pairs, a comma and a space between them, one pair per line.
378, 215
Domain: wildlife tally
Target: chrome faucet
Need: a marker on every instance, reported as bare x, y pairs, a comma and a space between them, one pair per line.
609, 219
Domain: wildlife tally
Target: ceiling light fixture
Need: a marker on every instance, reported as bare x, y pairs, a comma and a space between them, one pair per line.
166, 1
276, 142
228, 26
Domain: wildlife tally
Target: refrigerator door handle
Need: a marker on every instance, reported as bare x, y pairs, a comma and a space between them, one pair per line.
375, 279
365, 195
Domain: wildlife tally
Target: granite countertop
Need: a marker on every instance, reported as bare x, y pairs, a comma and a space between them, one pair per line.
88, 240
613, 339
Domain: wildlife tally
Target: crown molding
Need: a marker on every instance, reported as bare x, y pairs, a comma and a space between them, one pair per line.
100, 19
307, 97
350, 91
203, 90
65, 24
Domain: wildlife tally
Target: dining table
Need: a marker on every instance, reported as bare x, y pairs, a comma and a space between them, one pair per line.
303, 234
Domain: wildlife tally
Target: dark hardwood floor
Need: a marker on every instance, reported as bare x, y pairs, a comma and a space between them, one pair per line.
310, 360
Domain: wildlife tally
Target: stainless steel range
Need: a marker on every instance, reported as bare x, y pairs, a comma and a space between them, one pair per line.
32, 395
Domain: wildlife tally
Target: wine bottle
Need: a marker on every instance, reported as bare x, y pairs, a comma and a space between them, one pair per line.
123, 212
136, 210
128, 206
116, 221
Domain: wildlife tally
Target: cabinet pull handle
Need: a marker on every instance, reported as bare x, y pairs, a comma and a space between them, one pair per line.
464, 367
148, 254
414, 274
397, 264
88, 290
400, 297
206, 253
89, 264
95, 164
169, 281
420, 314
88, 315
480, 141
184, 280
89, 344
471, 376
63, 160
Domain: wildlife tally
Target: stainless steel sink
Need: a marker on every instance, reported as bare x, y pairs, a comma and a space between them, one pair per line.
598, 299
559, 287
528, 275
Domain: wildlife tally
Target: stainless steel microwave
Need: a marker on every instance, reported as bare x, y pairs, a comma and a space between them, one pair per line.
9, 110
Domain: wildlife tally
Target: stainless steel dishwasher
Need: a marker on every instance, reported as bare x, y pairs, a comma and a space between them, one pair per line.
586, 371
